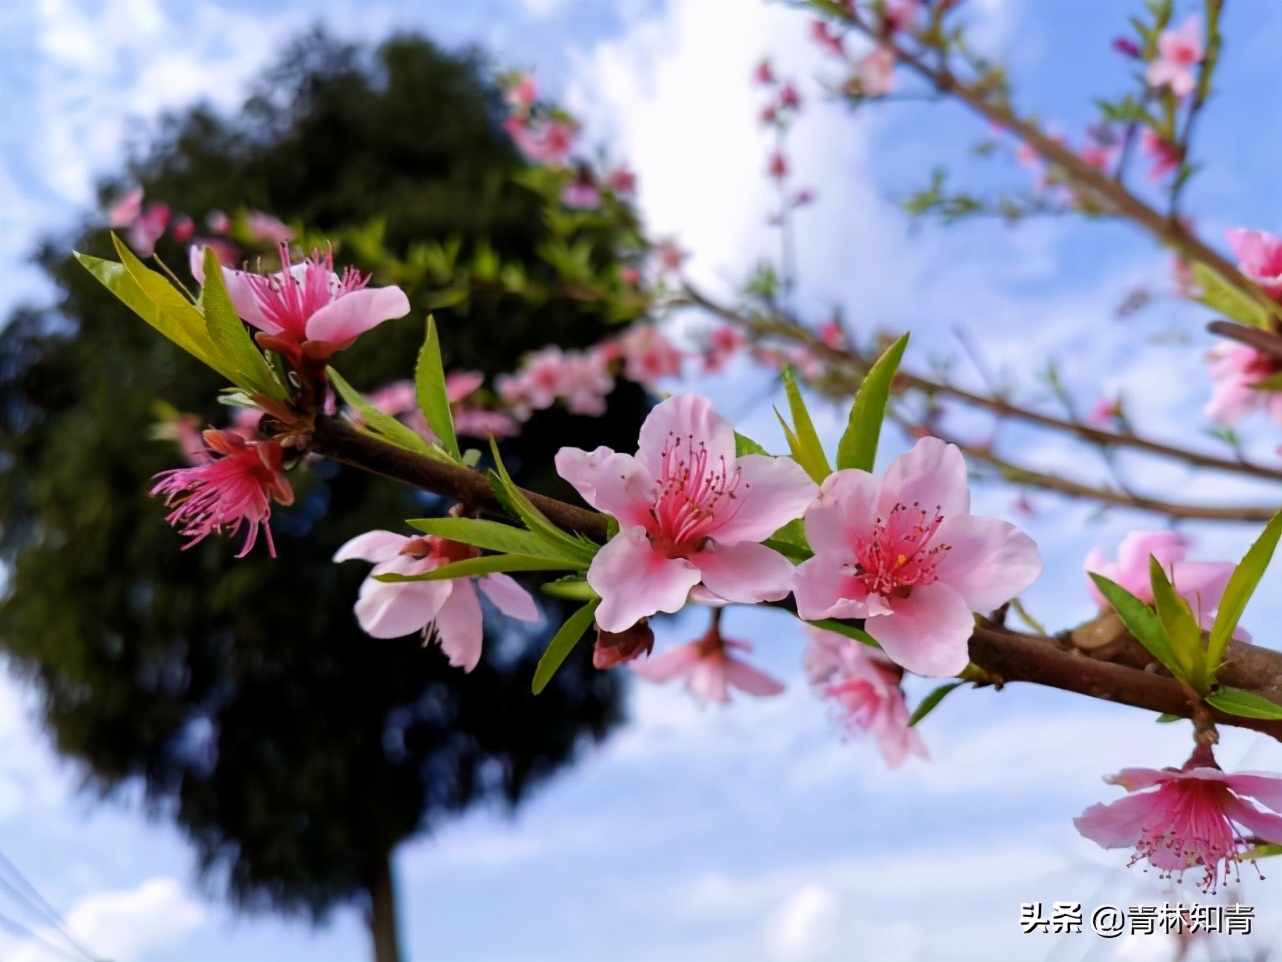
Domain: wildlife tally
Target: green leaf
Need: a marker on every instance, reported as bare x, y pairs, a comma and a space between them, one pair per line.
429, 384
1140, 620
514, 501
496, 536
572, 589
744, 445
490, 563
228, 334
808, 452
1222, 297
931, 701
1181, 628
562, 644
1260, 851
790, 541
390, 429
1247, 704
1166, 719
858, 446
1242, 584
847, 629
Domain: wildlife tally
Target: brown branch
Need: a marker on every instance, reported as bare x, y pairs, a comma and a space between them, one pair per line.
1266, 342
1098, 660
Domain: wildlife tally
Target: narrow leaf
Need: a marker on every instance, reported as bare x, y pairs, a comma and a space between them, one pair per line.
1242, 584
858, 445
931, 701
227, 332
429, 384
516, 503
816, 462
1220, 296
382, 424
744, 445
562, 644
847, 629
1140, 620
1182, 630
1247, 704
1166, 719
496, 536
486, 565
572, 589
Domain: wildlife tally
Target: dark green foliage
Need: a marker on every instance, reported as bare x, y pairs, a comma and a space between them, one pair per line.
295, 751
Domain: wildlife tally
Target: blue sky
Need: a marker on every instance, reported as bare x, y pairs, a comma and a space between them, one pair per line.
753, 832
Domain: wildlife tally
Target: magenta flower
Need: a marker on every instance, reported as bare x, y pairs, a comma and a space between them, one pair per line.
125, 210
449, 608
1259, 256
764, 74
826, 39
622, 181
1190, 820
863, 684
1179, 50
1166, 156
724, 343
1236, 369
1105, 412
1126, 47
183, 228
228, 491
710, 671
1200, 583
689, 513
906, 554
147, 229
777, 165
307, 309
789, 97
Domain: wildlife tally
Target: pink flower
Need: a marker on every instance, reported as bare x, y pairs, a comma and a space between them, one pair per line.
877, 71
183, 228
906, 554
630, 276
622, 181
777, 165
826, 39
723, 344
582, 191
218, 222
769, 114
709, 669
900, 14
449, 608
830, 333
671, 257
1099, 155
1197, 817
1105, 412
864, 685
547, 143
803, 197
227, 491
789, 97
581, 378
307, 309
521, 94
267, 229
690, 513
764, 75
126, 210
1259, 255
1200, 583
648, 355
1178, 51
1235, 369
147, 229
1165, 155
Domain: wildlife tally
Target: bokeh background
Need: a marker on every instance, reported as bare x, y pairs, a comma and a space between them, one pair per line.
753, 831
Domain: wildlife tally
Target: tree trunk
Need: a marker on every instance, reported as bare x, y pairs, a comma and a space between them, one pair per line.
382, 913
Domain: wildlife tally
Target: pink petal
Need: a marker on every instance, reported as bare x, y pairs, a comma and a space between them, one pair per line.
687, 419
746, 572
989, 562
1136, 548
1201, 584
844, 510
459, 384
1262, 786
1117, 824
933, 474
669, 665
771, 492
1160, 72
707, 680
614, 483
635, 581
353, 314
458, 625
824, 589
928, 632
509, 597
1138, 779
373, 546
392, 610
1264, 825
749, 679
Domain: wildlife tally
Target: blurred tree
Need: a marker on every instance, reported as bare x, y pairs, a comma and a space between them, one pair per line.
293, 750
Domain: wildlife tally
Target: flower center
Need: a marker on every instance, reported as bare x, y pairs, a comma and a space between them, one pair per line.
898, 556
290, 300
696, 496
1190, 828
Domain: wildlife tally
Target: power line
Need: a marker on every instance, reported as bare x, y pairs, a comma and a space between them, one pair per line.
30, 898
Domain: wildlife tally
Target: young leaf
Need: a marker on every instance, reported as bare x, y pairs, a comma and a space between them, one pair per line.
931, 701
811, 452
572, 589
496, 536
790, 541
1239, 701
1242, 584
1181, 628
562, 644
227, 332
849, 630
1166, 719
745, 445
1140, 621
486, 565
516, 503
1220, 296
429, 384
382, 424
858, 446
